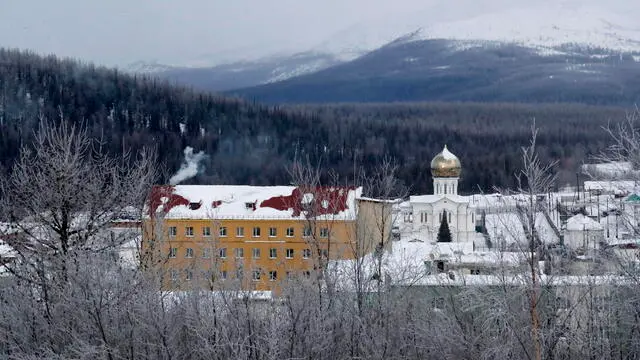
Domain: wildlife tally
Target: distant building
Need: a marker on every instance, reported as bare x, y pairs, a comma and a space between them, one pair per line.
253, 237
583, 233
428, 211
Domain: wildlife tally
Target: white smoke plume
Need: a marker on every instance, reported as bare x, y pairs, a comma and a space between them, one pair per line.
189, 167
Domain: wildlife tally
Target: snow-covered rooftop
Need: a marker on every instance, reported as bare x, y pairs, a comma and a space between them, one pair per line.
580, 222
434, 198
617, 187
256, 202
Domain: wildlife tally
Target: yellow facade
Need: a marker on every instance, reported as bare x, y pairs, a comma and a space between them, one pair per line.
251, 254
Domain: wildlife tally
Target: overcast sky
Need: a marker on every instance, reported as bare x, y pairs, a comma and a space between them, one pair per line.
118, 32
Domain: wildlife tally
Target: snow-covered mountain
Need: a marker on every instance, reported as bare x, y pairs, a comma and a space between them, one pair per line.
547, 26
541, 23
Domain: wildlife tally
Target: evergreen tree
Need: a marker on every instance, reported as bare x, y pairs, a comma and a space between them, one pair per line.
444, 235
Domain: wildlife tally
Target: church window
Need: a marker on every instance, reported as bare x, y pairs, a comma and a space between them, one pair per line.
421, 217
449, 216
472, 219
445, 189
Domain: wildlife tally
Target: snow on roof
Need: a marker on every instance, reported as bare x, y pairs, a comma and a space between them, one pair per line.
617, 186
435, 198
580, 222
507, 228
256, 202
610, 168
516, 280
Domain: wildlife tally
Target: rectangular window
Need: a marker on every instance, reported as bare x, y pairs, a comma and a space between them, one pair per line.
325, 253
240, 231
188, 275
256, 232
324, 232
188, 231
206, 231
189, 253
239, 252
174, 275
223, 231
256, 275
306, 231
255, 253
223, 274
290, 232
173, 231
206, 253
306, 253
289, 275
222, 253
273, 232
273, 275
273, 253
173, 252
289, 254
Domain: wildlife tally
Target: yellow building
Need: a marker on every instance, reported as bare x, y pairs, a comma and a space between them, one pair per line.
249, 237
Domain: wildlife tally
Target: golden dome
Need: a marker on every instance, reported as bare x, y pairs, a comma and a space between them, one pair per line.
445, 164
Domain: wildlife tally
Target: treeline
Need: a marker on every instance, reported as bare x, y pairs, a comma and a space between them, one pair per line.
253, 144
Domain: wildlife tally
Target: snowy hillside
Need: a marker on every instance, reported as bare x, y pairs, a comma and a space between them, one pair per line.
545, 23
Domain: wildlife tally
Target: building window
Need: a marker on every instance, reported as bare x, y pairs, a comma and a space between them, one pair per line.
174, 275
206, 231
421, 217
306, 231
239, 252
256, 253
290, 232
440, 266
223, 274
188, 275
206, 253
222, 253
273, 253
189, 253
173, 231
239, 231
449, 217
273, 275
324, 232
223, 231
249, 206
475, 272
307, 274
325, 253
256, 275
273, 232
256, 232
173, 252
306, 253
188, 231
472, 218
289, 275
289, 254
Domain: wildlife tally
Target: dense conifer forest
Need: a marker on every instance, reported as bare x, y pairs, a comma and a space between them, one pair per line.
249, 143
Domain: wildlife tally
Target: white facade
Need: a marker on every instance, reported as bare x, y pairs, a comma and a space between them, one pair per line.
428, 212
583, 233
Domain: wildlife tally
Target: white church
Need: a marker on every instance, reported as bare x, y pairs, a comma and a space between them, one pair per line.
425, 213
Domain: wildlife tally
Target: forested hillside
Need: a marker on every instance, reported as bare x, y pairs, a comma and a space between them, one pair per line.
252, 144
